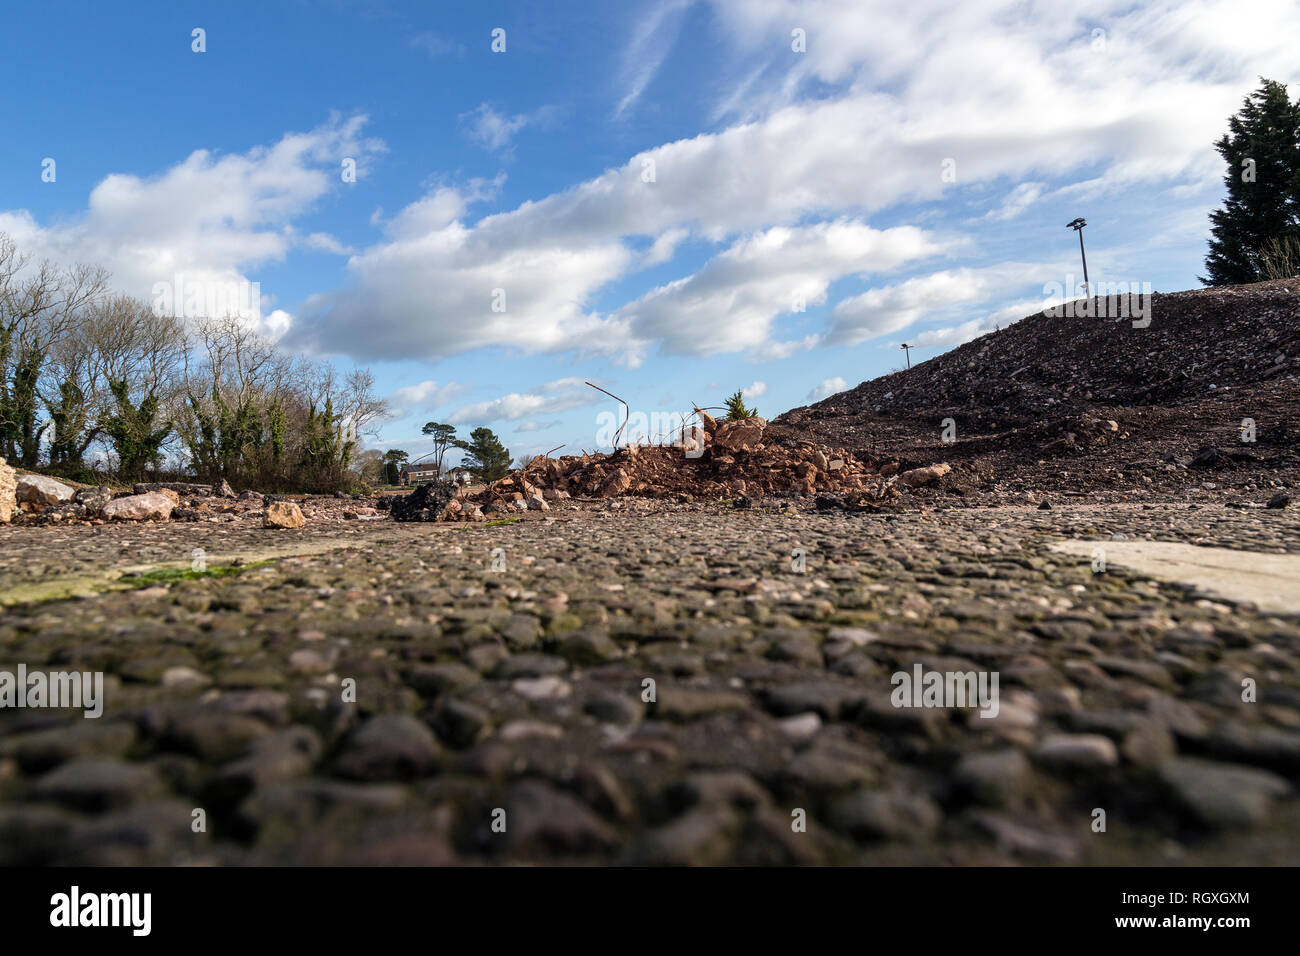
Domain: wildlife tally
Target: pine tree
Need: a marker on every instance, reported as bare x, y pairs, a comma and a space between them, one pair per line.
485, 456
444, 437
736, 409
1262, 150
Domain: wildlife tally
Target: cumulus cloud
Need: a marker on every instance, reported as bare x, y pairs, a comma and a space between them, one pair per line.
730, 303
859, 124
326, 243
827, 388
952, 335
898, 91
885, 309
426, 395
210, 218
557, 396
775, 351
756, 390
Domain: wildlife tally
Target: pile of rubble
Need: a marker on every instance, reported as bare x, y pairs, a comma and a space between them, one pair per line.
40, 499
736, 460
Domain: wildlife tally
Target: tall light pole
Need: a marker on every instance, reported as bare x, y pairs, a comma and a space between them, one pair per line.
905, 348
1077, 226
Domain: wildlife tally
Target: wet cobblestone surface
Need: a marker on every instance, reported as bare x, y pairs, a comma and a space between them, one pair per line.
386, 696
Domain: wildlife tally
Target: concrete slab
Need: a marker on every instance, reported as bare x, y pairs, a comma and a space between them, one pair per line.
1269, 581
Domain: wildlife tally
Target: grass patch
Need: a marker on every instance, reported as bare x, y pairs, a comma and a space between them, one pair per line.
172, 575
503, 521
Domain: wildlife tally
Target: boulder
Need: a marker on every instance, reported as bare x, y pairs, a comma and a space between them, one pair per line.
93, 499
283, 514
616, 484
741, 435
151, 506
222, 489
708, 421
924, 476
40, 490
8, 492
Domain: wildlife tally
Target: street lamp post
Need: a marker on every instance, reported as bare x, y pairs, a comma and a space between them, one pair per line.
1077, 226
905, 348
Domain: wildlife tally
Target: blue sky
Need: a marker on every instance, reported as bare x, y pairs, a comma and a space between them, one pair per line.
778, 174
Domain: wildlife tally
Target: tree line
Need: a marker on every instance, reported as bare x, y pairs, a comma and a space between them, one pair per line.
97, 385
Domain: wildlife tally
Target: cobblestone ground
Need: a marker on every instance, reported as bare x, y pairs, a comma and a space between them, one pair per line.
522, 690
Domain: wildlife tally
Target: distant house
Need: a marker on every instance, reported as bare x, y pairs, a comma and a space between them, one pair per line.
460, 474
418, 474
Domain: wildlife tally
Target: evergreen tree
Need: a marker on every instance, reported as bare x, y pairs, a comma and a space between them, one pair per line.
444, 436
1262, 210
736, 409
485, 456
394, 458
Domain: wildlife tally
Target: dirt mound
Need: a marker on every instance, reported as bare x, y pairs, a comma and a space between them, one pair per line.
1086, 402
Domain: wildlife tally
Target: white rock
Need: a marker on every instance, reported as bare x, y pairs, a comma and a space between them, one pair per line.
549, 687
526, 729
801, 726
40, 490
152, 506
1078, 750
181, 678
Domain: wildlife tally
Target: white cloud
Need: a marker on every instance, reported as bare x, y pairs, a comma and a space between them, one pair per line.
327, 243
885, 309
1017, 201
952, 335
775, 351
489, 129
651, 43
557, 396
210, 218
827, 388
426, 395
756, 390
730, 303
910, 88
665, 246
493, 131
895, 91
537, 426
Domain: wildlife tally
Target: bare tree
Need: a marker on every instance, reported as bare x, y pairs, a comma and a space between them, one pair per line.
38, 304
